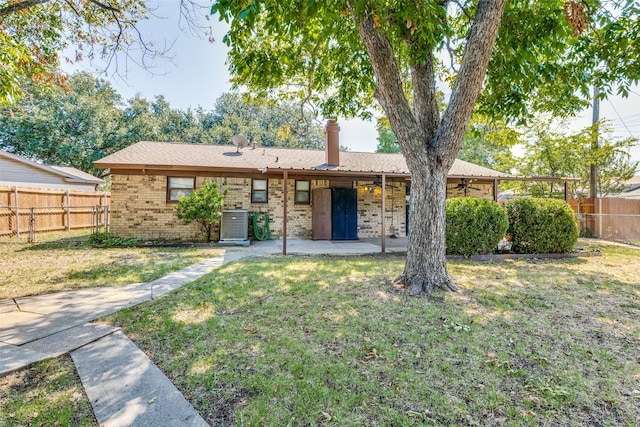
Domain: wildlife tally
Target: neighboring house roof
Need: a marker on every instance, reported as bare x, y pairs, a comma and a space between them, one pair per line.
634, 182
630, 194
632, 191
76, 174
178, 156
67, 174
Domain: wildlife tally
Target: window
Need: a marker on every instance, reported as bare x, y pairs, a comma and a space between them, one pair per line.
179, 187
259, 191
303, 192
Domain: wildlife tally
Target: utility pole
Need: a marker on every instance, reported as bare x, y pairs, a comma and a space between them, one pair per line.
593, 188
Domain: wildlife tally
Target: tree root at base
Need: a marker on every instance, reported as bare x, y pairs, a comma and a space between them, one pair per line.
417, 284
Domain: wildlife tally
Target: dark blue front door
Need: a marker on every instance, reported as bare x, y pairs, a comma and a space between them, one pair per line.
344, 214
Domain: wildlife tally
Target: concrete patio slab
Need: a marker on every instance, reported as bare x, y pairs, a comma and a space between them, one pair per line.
45, 315
13, 358
126, 388
13, 321
177, 279
20, 328
7, 305
70, 339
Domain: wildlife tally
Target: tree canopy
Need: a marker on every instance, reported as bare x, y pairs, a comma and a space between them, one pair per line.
71, 128
546, 58
33, 34
560, 153
89, 120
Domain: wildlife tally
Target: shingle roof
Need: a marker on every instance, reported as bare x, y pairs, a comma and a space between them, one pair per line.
74, 174
165, 155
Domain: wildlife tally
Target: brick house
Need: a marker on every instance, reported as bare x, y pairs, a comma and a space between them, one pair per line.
329, 194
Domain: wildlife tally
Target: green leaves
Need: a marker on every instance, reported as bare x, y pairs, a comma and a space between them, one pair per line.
90, 121
553, 153
474, 226
65, 128
541, 225
203, 206
540, 65
33, 37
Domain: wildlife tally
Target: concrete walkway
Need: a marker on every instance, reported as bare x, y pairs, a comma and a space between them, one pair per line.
122, 384
126, 389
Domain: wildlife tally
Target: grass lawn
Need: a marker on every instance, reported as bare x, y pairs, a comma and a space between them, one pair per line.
47, 394
330, 341
33, 269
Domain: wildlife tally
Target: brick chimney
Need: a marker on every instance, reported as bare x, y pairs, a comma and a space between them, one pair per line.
332, 149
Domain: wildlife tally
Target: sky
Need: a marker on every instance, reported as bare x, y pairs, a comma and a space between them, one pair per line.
197, 75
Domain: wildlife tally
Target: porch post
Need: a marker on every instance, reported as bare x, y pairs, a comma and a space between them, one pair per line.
384, 197
495, 190
285, 185
566, 191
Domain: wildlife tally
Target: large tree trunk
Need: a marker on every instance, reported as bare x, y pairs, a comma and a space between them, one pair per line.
429, 144
426, 262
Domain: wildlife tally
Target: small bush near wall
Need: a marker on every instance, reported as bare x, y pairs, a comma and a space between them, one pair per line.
474, 226
541, 226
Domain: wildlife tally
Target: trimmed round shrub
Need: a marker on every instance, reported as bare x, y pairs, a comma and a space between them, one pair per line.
539, 226
474, 226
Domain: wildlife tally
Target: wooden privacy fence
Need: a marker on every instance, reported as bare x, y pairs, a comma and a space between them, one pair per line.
609, 218
31, 210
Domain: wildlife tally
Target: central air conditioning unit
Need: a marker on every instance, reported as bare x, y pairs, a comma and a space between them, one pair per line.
234, 227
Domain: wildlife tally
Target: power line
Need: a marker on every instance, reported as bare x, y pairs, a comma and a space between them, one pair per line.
623, 123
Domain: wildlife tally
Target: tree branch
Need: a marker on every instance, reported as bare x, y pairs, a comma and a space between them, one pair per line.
17, 7
105, 6
389, 91
425, 105
468, 85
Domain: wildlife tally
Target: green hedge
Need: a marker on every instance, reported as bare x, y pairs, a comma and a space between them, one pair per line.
540, 226
474, 226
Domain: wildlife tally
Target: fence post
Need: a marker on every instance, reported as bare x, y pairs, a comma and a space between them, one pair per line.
68, 211
15, 196
98, 211
94, 227
106, 209
600, 218
32, 226
106, 218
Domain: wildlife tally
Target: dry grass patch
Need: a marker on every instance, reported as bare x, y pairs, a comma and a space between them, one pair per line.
33, 269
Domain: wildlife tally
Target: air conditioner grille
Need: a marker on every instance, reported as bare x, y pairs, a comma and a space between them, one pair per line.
234, 225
